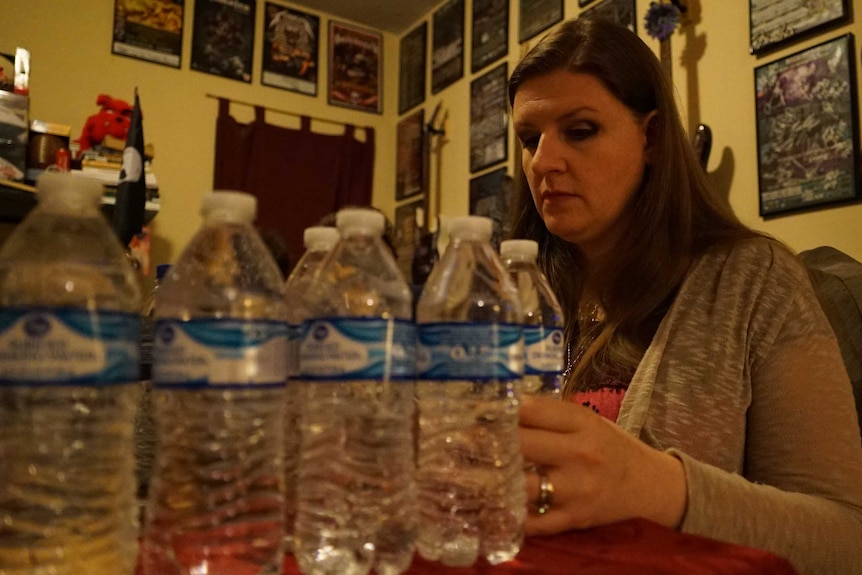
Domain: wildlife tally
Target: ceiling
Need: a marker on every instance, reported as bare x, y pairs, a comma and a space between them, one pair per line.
394, 16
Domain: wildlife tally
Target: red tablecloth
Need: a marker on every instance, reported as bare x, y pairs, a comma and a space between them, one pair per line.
635, 547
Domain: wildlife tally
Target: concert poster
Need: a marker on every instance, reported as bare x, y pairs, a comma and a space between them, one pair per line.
223, 38
290, 49
355, 68
447, 54
490, 32
150, 30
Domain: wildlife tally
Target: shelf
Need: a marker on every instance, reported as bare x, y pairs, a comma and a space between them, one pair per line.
16, 201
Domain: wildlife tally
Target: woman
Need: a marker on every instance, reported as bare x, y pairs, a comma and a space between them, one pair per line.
700, 338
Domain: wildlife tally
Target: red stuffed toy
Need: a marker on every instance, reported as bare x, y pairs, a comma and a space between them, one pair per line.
113, 119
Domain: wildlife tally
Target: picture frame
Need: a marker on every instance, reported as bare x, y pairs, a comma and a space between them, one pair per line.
536, 16
223, 38
807, 137
491, 196
355, 78
412, 68
777, 23
289, 58
489, 119
153, 34
406, 234
490, 34
410, 166
447, 50
622, 12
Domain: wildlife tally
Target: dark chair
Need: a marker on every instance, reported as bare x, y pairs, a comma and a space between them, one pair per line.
837, 279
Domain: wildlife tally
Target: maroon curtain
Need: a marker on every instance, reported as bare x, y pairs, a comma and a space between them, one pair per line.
298, 176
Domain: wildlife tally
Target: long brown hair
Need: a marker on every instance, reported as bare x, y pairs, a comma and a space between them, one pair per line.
670, 220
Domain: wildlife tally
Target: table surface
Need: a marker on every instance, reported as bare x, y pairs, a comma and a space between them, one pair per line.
634, 547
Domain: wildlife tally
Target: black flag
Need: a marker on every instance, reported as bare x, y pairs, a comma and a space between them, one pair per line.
132, 190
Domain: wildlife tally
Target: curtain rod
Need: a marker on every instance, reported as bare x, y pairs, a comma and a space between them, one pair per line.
287, 112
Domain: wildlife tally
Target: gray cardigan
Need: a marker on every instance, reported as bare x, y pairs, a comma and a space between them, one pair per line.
744, 382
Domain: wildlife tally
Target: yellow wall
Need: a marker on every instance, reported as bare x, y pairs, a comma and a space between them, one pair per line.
72, 63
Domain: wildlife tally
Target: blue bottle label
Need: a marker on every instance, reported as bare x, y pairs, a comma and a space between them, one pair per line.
68, 346
483, 351
220, 353
357, 349
544, 350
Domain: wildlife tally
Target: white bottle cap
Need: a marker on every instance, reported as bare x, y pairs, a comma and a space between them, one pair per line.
229, 206
66, 189
350, 221
527, 250
320, 238
471, 228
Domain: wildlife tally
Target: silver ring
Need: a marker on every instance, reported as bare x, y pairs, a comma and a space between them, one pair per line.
546, 492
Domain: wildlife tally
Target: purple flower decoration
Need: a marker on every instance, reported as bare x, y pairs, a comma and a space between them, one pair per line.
661, 20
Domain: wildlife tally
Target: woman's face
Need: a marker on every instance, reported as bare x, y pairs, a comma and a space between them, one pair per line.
584, 155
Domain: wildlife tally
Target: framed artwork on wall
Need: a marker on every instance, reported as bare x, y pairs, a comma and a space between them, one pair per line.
447, 52
489, 119
355, 68
776, 23
807, 137
622, 12
409, 176
223, 38
407, 218
411, 68
490, 32
535, 16
149, 32
491, 196
290, 52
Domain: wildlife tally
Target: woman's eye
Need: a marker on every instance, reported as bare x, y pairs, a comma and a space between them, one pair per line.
580, 132
529, 142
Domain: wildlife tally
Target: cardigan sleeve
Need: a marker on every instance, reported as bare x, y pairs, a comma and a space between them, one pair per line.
800, 490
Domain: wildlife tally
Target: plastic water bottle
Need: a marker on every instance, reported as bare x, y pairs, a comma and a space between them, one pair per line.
356, 496
544, 347
216, 501
69, 371
145, 430
318, 242
472, 498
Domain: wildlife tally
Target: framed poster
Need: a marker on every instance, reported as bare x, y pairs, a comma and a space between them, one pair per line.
407, 219
622, 12
290, 50
491, 196
355, 68
150, 30
537, 16
447, 52
412, 67
807, 140
489, 119
223, 38
776, 23
409, 170
490, 32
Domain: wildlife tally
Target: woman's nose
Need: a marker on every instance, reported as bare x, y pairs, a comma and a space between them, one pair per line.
547, 157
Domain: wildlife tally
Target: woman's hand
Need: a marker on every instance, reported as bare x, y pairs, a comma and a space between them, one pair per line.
600, 473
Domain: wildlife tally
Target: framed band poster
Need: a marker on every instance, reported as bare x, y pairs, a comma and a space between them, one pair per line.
489, 119
490, 32
411, 68
355, 68
491, 196
807, 137
409, 176
407, 219
776, 23
291, 48
447, 52
151, 32
223, 38
621, 12
537, 16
